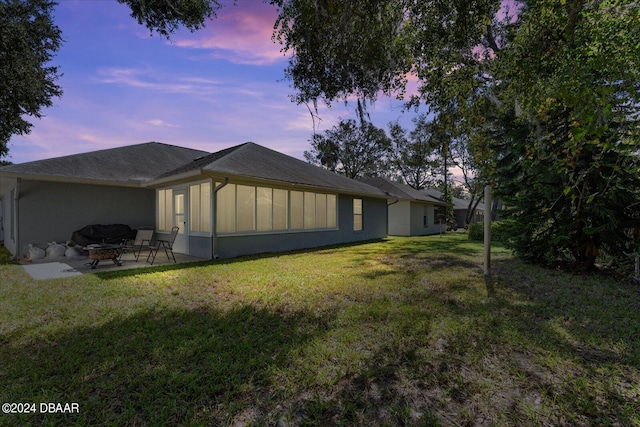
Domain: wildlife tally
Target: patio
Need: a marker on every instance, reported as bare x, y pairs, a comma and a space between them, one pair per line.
53, 268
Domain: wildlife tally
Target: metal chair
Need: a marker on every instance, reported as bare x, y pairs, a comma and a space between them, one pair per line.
166, 245
142, 240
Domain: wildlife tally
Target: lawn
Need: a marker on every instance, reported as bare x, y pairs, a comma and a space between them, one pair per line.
405, 331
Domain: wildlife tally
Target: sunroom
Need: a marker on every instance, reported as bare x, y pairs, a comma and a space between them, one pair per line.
270, 203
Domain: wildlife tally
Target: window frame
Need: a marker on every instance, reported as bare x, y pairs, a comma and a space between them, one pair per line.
204, 207
293, 208
164, 209
358, 214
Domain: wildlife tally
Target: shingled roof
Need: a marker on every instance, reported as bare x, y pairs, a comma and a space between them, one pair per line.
402, 191
255, 161
458, 204
153, 164
130, 165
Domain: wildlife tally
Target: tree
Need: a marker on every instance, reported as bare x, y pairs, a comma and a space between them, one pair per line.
166, 16
413, 155
473, 180
569, 167
342, 48
28, 41
352, 150
554, 96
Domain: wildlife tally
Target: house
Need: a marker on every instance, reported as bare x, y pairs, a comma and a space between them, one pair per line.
460, 208
411, 212
242, 200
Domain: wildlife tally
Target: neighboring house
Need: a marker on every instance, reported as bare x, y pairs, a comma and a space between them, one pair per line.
243, 200
411, 212
460, 208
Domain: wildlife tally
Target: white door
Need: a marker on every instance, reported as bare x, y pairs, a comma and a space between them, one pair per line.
180, 219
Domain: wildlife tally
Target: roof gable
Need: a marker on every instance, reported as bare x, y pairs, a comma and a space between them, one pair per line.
255, 161
130, 164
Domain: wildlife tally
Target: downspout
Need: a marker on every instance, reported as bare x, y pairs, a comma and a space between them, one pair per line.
16, 217
214, 213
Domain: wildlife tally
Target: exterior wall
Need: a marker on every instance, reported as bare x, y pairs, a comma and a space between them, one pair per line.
399, 218
406, 218
200, 246
374, 217
53, 211
417, 220
7, 218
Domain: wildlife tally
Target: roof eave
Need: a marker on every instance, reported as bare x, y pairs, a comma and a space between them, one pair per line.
174, 178
256, 180
73, 180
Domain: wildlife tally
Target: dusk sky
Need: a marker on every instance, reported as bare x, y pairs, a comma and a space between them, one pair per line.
209, 90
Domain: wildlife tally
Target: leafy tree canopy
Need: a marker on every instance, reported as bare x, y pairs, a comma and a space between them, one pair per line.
550, 101
353, 150
166, 16
568, 164
414, 154
28, 41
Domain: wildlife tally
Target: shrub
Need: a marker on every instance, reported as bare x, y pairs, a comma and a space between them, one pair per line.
476, 231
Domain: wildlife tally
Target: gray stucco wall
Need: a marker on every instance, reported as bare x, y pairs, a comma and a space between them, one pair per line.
200, 246
8, 185
53, 211
375, 227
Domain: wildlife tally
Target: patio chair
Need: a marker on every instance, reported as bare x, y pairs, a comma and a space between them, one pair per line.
143, 239
166, 245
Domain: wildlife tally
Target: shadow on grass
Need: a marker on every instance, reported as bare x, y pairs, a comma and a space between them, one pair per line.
536, 350
155, 368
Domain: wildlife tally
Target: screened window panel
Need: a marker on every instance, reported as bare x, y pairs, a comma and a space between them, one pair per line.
179, 204
205, 207
297, 210
226, 209
357, 206
332, 209
321, 211
309, 210
168, 210
357, 215
280, 209
246, 208
194, 208
161, 211
264, 217
165, 209
357, 223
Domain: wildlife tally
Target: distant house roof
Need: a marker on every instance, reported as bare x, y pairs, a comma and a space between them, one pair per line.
458, 204
130, 165
255, 161
402, 191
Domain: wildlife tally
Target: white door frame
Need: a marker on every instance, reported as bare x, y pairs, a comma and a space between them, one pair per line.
180, 218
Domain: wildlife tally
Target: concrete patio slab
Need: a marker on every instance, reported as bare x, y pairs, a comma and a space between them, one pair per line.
55, 268
50, 270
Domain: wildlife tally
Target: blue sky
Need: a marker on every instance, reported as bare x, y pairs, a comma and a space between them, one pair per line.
209, 90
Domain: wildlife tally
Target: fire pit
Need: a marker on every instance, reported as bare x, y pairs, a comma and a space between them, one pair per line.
99, 252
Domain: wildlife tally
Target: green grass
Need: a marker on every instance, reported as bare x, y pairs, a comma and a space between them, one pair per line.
406, 331
5, 256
